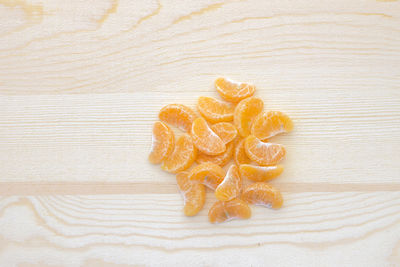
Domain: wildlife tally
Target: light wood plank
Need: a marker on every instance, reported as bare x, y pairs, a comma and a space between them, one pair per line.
81, 83
363, 228
338, 137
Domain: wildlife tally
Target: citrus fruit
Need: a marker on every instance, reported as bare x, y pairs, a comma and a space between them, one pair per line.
205, 139
245, 113
239, 154
230, 187
162, 143
194, 194
233, 91
263, 153
260, 173
263, 194
225, 130
268, 124
178, 115
182, 157
208, 173
223, 211
214, 110
221, 159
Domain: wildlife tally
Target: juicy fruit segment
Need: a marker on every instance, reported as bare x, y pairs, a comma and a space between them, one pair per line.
233, 91
214, 110
225, 130
221, 159
205, 139
182, 157
263, 194
223, 211
230, 187
194, 194
245, 113
260, 173
271, 123
178, 115
209, 174
239, 155
264, 154
162, 143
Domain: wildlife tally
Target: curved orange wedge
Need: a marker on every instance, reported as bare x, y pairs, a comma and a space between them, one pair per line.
221, 159
194, 194
178, 115
223, 211
245, 112
230, 187
263, 194
268, 124
205, 139
260, 173
225, 130
208, 173
162, 143
233, 91
214, 110
264, 154
182, 157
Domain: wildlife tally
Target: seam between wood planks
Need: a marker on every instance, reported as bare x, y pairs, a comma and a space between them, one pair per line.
101, 188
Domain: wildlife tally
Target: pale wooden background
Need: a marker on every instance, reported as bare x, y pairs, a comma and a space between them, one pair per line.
81, 83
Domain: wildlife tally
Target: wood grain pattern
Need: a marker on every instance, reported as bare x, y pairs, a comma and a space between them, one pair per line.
79, 228
81, 83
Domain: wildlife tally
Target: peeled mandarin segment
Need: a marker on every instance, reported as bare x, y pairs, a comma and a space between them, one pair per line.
223, 211
178, 115
194, 194
221, 159
263, 194
260, 173
225, 130
233, 91
230, 187
214, 110
205, 139
239, 154
183, 182
264, 154
182, 157
162, 143
268, 124
195, 199
245, 113
208, 173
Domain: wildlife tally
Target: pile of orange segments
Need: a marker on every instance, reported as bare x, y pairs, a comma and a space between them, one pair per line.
235, 127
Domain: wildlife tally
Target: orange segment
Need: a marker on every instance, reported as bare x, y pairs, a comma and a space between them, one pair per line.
260, 173
162, 143
263, 153
178, 115
208, 173
194, 194
233, 91
205, 139
214, 110
182, 157
263, 194
225, 130
268, 124
245, 113
239, 155
230, 187
221, 159
223, 211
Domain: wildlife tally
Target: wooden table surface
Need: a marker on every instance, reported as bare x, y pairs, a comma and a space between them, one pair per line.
81, 83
